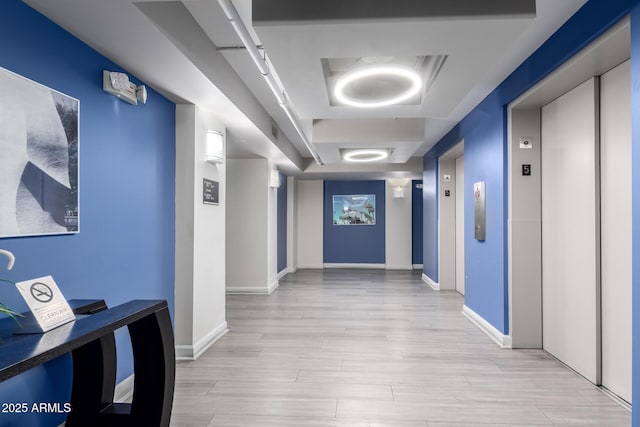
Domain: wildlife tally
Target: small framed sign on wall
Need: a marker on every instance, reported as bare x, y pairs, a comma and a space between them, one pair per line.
209, 192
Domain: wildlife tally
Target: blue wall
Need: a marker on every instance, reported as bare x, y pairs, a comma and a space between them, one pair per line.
282, 224
358, 244
485, 133
125, 248
416, 222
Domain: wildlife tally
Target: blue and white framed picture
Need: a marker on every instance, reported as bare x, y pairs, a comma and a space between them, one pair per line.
39, 130
354, 209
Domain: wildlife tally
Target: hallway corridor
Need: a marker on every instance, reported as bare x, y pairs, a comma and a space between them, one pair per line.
374, 348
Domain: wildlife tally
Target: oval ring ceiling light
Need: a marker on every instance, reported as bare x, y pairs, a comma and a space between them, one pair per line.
415, 85
365, 155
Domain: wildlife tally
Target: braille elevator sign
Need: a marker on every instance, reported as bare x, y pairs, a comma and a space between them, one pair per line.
526, 142
526, 170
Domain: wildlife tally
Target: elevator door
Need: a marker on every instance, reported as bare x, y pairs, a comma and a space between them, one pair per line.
570, 230
615, 190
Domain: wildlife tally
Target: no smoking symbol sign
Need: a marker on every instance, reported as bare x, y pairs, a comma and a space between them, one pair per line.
41, 292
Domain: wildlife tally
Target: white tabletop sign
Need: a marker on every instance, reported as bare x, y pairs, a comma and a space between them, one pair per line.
49, 307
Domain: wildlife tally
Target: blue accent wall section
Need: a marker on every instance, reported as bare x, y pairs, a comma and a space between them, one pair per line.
282, 224
125, 248
430, 216
357, 244
416, 222
484, 131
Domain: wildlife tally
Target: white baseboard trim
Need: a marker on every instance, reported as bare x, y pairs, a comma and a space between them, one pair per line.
192, 352
261, 290
292, 269
611, 395
258, 290
418, 266
504, 341
398, 267
124, 390
353, 265
434, 285
311, 266
283, 273
272, 287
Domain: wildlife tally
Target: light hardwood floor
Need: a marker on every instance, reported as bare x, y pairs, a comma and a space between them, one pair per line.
374, 348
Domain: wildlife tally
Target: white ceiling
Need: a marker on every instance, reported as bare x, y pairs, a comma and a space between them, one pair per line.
142, 39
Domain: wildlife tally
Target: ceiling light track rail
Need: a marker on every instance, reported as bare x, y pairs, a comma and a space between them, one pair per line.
254, 52
237, 47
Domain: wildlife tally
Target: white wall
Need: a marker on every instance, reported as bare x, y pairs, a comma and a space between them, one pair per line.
447, 227
272, 234
185, 149
209, 239
292, 224
200, 242
398, 231
460, 279
247, 233
615, 209
525, 231
310, 224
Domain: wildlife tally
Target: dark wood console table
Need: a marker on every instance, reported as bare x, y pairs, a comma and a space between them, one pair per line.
91, 341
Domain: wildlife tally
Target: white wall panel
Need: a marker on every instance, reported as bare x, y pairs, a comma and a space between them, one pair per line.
398, 229
615, 178
310, 225
292, 224
272, 232
200, 237
209, 246
185, 164
525, 231
460, 224
447, 222
248, 215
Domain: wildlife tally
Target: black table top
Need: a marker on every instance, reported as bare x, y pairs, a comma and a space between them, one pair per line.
19, 353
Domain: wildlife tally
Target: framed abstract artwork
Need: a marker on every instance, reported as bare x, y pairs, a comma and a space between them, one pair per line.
39, 132
354, 209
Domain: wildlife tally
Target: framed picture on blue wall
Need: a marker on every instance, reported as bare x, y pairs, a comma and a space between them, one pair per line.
38, 158
354, 209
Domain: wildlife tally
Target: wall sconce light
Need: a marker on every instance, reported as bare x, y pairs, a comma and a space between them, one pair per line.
398, 187
214, 147
398, 192
119, 85
274, 179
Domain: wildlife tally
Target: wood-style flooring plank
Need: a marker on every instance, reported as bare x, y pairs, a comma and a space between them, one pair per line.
356, 348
